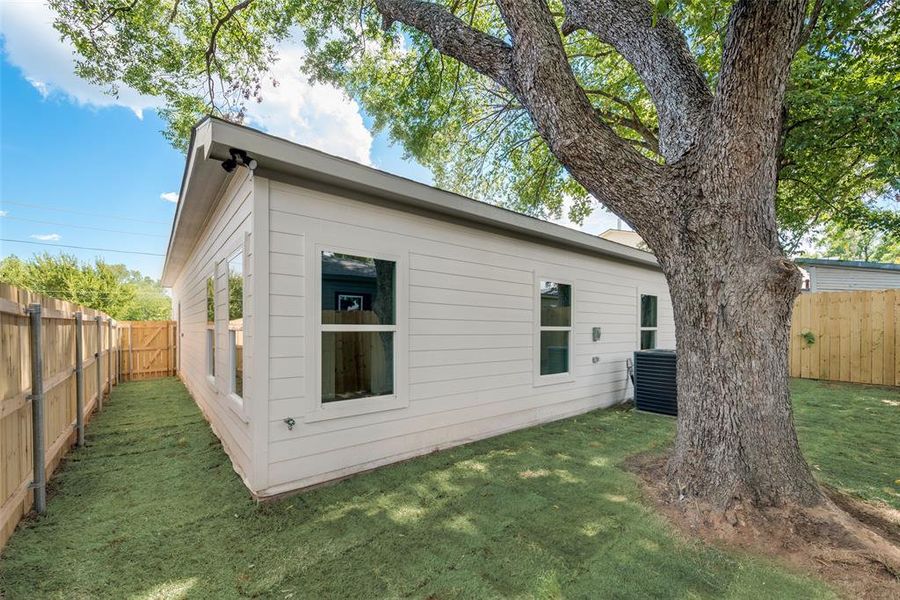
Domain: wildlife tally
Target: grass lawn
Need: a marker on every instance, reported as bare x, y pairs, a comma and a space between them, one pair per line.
152, 509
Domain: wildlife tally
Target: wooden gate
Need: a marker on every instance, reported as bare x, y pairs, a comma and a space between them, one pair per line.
147, 349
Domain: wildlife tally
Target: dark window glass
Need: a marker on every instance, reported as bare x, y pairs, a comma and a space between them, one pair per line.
648, 339
556, 304
357, 364
648, 311
357, 290
554, 352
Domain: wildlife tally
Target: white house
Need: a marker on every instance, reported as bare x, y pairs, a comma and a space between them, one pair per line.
625, 236
828, 275
334, 318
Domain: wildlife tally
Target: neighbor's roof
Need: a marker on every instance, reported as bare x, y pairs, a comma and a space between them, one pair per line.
204, 180
853, 264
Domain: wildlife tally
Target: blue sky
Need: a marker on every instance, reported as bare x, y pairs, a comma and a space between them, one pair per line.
81, 168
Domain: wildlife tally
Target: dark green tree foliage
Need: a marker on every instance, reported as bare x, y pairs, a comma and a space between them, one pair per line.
122, 294
210, 300
235, 297
851, 244
841, 153
841, 156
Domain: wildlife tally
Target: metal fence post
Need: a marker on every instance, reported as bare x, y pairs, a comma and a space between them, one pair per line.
99, 362
109, 371
114, 374
39, 483
79, 377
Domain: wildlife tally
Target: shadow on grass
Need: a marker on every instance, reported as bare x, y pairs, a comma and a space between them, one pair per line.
152, 509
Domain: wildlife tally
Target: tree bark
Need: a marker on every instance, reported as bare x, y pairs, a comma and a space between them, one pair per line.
736, 441
708, 213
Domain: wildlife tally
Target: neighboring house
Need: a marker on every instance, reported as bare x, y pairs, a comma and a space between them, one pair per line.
826, 275
624, 236
381, 318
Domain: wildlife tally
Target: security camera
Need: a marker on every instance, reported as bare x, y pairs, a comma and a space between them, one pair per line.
238, 157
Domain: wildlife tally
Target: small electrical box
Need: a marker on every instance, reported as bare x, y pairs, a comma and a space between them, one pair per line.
595, 334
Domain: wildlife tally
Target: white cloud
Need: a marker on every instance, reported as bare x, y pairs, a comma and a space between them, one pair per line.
595, 223
46, 237
3, 213
169, 196
316, 115
33, 45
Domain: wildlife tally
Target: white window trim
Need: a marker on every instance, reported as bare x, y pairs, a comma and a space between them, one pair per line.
316, 409
556, 378
235, 402
640, 328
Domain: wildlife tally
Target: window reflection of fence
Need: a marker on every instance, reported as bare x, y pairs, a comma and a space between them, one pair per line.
355, 364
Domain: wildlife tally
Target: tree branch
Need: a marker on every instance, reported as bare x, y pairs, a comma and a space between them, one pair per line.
747, 111
658, 51
536, 70
810, 23
210, 54
452, 36
605, 164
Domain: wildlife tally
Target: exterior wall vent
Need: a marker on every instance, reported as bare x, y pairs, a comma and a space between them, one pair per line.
654, 382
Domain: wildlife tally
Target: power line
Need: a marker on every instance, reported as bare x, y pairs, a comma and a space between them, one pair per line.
80, 212
84, 227
81, 247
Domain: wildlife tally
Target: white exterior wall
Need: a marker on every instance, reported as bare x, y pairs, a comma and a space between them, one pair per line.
466, 305
836, 278
227, 230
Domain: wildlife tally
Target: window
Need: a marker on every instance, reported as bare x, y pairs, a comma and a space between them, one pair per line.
236, 322
648, 322
211, 326
555, 330
359, 323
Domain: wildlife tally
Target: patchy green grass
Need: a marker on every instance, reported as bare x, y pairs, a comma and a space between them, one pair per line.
152, 509
850, 435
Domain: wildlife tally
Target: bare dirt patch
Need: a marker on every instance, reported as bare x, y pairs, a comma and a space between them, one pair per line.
852, 545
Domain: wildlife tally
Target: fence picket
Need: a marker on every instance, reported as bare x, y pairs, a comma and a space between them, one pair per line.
855, 337
60, 414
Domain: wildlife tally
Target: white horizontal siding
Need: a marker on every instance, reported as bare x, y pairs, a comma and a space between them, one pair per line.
835, 279
223, 235
470, 308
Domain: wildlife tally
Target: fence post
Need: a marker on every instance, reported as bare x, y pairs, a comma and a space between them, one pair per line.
98, 360
131, 351
39, 482
79, 376
109, 376
115, 361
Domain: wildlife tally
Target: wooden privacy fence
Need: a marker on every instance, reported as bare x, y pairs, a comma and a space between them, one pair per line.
61, 388
847, 336
148, 349
45, 378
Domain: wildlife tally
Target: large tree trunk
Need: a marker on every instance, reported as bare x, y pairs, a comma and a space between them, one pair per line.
733, 294
708, 213
736, 441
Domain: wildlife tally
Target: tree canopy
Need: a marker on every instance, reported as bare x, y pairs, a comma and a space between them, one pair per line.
114, 289
852, 244
840, 160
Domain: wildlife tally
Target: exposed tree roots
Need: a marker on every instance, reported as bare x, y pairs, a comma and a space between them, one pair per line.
852, 545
